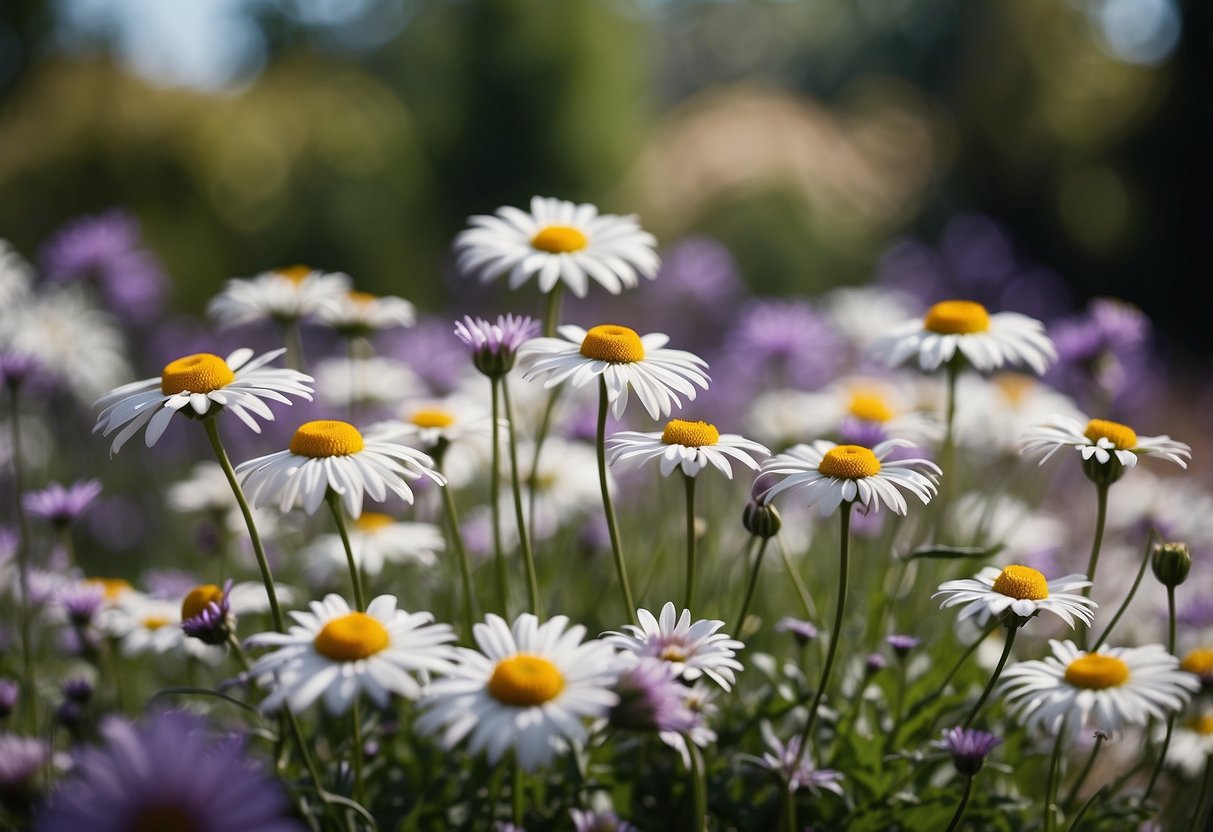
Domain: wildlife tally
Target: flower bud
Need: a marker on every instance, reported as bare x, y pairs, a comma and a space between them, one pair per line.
1171, 562
761, 520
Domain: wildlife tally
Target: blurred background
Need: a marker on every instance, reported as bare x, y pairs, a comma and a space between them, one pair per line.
1054, 149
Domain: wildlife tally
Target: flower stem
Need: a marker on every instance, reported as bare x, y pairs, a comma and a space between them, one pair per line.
690, 493
503, 586
516, 794
960, 810
1166, 742
1204, 794
334, 502
465, 569
528, 557
1086, 807
551, 314
359, 785
212, 433
803, 591
1051, 783
749, 593
1086, 770
541, 435
1012, 629
293, 342
699, 786
607, 508
947, 450
1124, 605
23, 552
964, 657
1101, 516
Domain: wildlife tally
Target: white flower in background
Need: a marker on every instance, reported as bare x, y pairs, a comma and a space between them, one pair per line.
1180, 507
376, 540
1021, 590
1191, 744
686, 446
281, 295
865, 313
366, 381
980, 519
458, 425
558, 242
1101, 439
993, 413
987, 342
565, 489
335, 654
144, 624
207, 491
361, 314
694, 648
16, 276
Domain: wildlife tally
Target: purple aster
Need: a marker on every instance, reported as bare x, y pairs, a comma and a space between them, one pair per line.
803, 631
166, 774
431, 350
10, 693
494, 346
902, 645
852, 431
782, 760
784, 343
21, 758
62, 505
652, 699
106, 250
16, 368
968, 747
213, 625
874, 663
587, 821
81, 601
1104, 353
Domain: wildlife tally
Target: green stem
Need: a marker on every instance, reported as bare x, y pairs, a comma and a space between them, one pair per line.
898, 706
1086, 771
293, 342
359, 785
212, 433
947, 450
1166, 743
749, 593
528, 557
1101, 516
541, 435
1051, 783
803, 591
30, 696
551, 314
516, 794
789, 810
699, 787
503, 586
465, 568
1012, 629
690, 494
1086, 807
960, 810
1124, 605
1204, 795
334, 501
609, 509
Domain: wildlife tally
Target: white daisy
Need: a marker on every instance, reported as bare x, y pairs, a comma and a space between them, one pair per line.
370, 381
336, 653
1020, 589
986, 341
144, 624
199, 382
528, 688
981, 519
376, 540
694, 649
329, 454
623, 359
690, 446
566, 487
281, 295
558, 241
826, 475
1101, 439
447, 421
16, 276
1191, 744
361, 314
1104, 691
207, 491
864, 313
995, 412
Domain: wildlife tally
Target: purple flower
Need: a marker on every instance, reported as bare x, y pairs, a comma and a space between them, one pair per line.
785, 343
494, 346
968, 747
213, 624
10, 693
21, 758
782, 760
1104, 353
587, 821
78, 690
82, 601
166, 774
874, 663
16, 368
431, 350
902, 645
62, 506
106, 250
652, 699
803, 631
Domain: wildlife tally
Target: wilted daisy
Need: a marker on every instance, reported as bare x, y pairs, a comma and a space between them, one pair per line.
1021, 590
1102, 440
334, 455
529, 688
694, 648
361, 314
985, 341
282, 295
336, 653
200, 382
826, 475
558, 242
1104, 691
685, 445
623, 359
376, 539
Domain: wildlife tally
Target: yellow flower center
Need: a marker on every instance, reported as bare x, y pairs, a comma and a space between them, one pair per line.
559, 239
957, 317
1199, 661
869, 406
524, 681
197, 599
362, 298
616, 344
673, 653
1014, 386
1202, 725
849, 462
200, 373
112, 587
154, 622
1096, 671
326, 437
295, 274
351, 637
690, 434
371, 521
1022, 582
432, 418
1122, 436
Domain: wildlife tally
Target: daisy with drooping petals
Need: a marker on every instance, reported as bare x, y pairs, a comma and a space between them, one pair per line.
376, 540
336, 653
1020, 589
200, 382
361, 314
334, 455
1102, 439
281, 295
827, 475
689, 446
694, 649
1105, 691
623, 360
559, 242
529, 688
987, 342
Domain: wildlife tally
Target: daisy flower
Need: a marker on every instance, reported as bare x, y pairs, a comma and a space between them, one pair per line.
446, 421
694, 649
376, 540
1102, 439
494, 346
199, 382
691, 446
827, 475
1021, 590
1105, 691
361, 314
558, 242
1000, 409
988, 342
369, 382
623, 359
968, 747
1191, 745
336, 653
145, 624
334, 455
797, 769
282, 295
528, 688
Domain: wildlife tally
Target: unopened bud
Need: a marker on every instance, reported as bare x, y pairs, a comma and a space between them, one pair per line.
761, 520
1171, 562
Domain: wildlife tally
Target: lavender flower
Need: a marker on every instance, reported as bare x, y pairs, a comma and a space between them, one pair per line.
166, 774
21, 758
82, 601
802, 631
431, 351
652, 699
494, 346
587, 821
10, 692
214, 623
902, 645
60, 505
782, 759
785, 342
873, 663
1104, 353
968, 747
16, 368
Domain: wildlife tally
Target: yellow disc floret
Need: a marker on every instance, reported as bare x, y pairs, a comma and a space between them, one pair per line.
559, 239
372, 521
849, 462
362, 298
1199, 661
957, 317
616, 344
295, 274
199, 373
1202, 725
432, 417
351, 637
1122, 436
869, 406
690, 434
112, 587
154, 622
525, 681
197, 599
1022, 582
1096, 671
326, 437
1014, 387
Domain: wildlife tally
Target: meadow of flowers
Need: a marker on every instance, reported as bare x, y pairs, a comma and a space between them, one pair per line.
916, 555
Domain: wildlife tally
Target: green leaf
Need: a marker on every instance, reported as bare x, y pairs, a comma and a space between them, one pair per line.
939, 552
